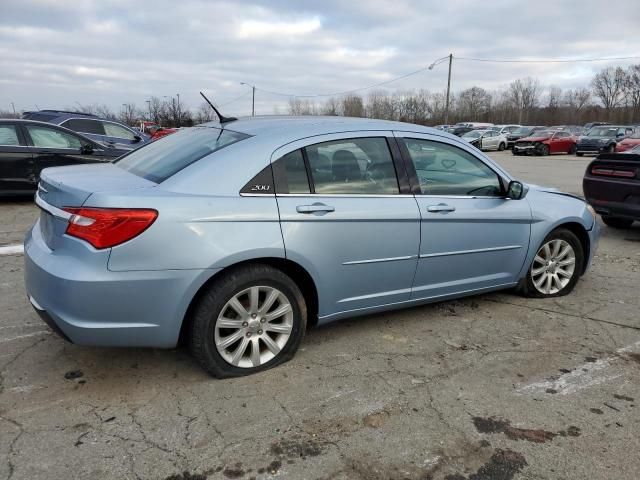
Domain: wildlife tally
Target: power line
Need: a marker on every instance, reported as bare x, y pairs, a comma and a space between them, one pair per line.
235, 99
469, 59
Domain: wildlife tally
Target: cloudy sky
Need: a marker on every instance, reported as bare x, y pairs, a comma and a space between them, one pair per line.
54, 53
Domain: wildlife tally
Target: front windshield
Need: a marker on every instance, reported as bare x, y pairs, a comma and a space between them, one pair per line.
602, 132
472, 134
635, 135
522, 131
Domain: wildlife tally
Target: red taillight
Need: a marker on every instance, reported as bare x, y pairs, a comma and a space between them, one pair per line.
613, 172
108, 227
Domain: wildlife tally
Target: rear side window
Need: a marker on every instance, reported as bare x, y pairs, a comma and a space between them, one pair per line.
84, 126
291, 174
115, 130
158, 161
8, 135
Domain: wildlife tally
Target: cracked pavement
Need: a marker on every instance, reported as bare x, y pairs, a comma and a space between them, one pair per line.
489, 387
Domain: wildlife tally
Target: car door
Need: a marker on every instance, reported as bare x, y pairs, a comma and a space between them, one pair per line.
16, 161
53, 147
116, 136
489, 141
348, 217
472, 237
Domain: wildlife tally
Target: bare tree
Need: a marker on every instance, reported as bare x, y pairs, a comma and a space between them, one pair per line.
524, 95
608, 85
128, 114
205, 113
632, 91
352, 106
474, 104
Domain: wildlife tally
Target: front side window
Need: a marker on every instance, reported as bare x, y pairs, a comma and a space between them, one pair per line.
352, 166
158, 161
8, 135
443, 169
50, 138
84, 125
115, 130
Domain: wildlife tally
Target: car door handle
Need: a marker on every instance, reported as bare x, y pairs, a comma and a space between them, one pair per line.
315, 208
441, 207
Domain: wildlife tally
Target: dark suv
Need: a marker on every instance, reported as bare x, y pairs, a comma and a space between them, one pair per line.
107, 132
602, 139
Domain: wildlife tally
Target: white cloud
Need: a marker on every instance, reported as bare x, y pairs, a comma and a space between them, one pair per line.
262, 28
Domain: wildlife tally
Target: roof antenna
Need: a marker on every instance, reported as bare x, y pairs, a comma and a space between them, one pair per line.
222, 118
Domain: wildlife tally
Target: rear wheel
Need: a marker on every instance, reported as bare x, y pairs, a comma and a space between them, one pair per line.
572, 150
617, 222
556, 266
251, 319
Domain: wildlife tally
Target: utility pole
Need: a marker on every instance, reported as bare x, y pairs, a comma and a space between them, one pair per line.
253, 98
446, 108
149, 109
446, 105
179, 112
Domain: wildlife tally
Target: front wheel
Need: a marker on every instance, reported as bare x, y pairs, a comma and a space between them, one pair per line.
556, 267
579, 154
611, 149
251, 319
572, 150
543, 150
617, 222
501, 147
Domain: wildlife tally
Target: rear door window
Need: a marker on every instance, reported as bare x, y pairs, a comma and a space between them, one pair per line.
158, 161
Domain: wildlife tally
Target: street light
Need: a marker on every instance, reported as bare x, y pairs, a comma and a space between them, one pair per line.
446, 107
253, 98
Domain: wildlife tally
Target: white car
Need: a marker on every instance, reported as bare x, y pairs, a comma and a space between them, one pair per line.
506, 129
486, 139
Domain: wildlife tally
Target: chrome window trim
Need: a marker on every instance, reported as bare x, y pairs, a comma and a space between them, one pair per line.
462, 196
345, 195
475, 250
14, 146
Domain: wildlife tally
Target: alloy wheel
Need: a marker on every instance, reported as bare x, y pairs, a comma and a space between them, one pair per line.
553, 266
253, 326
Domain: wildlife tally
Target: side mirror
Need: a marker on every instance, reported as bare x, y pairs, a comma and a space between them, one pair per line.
516, 190
86, 149
137, 138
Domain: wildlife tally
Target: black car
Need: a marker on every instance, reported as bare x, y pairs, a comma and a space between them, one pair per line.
521, 132
611, 186
26, 147
459, 131
602, 138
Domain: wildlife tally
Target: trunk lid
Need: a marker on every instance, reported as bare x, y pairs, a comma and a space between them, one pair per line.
70, 186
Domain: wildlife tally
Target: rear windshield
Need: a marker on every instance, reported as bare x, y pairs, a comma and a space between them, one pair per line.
161, 159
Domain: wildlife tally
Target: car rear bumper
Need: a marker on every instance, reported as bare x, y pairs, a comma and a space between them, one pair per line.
589, 148
94, 306
615, 198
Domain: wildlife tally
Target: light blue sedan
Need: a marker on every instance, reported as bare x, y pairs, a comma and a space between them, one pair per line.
236, 236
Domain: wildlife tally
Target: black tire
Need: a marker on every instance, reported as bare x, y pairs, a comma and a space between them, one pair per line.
579, 154
528, 289
501, 147
572, 150
617, 222
543, 150
513, 151
611, 148
214, 299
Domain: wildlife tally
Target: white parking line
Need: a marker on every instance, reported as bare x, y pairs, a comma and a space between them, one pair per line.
583, 376
12, 250
20, 337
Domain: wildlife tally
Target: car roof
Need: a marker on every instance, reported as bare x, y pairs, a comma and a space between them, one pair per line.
284, 129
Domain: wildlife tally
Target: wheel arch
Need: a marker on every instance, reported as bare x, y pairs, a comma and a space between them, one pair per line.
579, 231
298, 274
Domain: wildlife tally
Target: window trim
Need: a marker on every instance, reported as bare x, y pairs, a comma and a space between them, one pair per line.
122, 126
413, 175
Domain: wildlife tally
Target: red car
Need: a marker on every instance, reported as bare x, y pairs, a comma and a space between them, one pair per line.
628, 143
155, 130
545, 142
